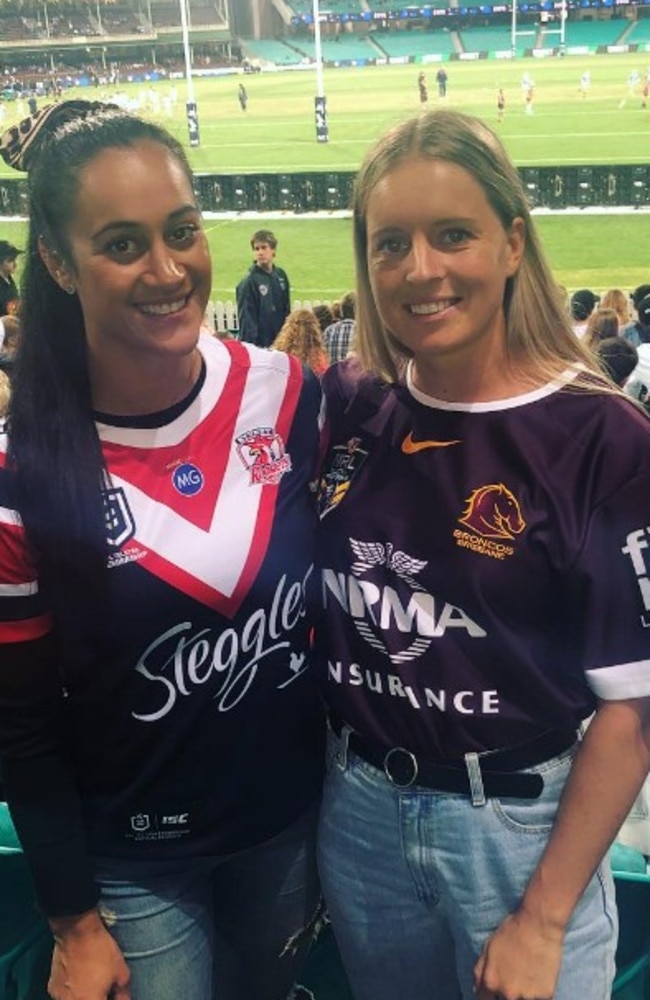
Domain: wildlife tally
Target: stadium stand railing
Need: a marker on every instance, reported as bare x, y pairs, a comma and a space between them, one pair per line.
221, 316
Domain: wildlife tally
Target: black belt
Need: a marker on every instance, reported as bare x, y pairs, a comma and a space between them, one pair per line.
499, 768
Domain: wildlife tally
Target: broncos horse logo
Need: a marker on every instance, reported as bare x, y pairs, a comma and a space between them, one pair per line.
493, 512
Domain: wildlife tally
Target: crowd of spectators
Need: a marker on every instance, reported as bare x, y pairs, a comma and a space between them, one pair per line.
617, 327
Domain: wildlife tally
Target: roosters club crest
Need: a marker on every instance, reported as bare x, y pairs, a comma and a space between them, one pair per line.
262, 452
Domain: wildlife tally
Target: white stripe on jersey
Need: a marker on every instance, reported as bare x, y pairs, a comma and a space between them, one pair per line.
620, 681
218, 555
18, 589
218, 365
9, 516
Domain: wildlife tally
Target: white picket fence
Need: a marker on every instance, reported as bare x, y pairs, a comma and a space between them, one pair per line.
221, 317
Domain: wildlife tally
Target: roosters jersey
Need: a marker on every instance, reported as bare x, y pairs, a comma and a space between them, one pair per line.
486, 567
192, 718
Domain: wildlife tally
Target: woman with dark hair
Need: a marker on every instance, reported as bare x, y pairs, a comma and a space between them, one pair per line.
160, 740
323, 313
602, 324
634, 330
484, 546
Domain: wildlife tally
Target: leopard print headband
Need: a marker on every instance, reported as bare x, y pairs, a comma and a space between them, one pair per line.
20, 143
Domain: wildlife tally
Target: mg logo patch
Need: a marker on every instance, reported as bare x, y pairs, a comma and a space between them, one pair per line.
188, 479
120, 524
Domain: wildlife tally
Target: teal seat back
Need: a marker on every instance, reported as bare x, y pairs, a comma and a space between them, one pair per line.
25, 939
632, 980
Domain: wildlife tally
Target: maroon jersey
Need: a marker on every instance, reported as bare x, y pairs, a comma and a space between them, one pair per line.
485, 566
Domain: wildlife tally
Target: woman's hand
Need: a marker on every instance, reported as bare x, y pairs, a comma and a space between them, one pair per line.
87, 964
520, 961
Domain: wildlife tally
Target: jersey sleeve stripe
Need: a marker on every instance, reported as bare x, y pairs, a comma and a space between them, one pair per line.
18, 589
25, 631
9, 516
621, 681
15, 564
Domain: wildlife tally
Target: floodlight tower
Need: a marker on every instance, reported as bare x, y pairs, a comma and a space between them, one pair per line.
190, 106
320, 101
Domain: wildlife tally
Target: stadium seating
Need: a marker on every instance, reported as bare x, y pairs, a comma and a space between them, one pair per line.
120, 20
633, 954
414, 43
271, 51
25, 940
381, 5
592, 33
640, 32
347, 48
493, 38
327, 6
14, 28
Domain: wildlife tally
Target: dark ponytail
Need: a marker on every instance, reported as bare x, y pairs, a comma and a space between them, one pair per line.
54, 445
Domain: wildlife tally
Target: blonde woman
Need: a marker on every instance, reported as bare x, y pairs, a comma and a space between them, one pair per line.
617, 300
483, 547
5, 392
301, 336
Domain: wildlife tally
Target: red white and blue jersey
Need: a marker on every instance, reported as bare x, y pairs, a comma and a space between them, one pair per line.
192, 719
486, 567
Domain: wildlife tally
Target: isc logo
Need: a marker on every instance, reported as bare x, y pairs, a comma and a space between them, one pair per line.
188, 479
176, 820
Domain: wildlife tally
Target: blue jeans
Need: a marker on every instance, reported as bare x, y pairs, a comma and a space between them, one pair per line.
235, 928
415, 881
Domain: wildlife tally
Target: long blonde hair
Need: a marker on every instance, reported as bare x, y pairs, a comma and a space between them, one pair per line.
301, 336
539, 339
5, 393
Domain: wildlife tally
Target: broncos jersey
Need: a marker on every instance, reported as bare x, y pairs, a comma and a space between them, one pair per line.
486, 567
192, 719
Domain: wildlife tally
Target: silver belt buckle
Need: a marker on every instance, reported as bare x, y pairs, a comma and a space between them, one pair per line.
401, 767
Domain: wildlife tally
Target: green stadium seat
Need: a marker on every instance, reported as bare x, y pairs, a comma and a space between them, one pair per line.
632, 884
323, 977
25, 939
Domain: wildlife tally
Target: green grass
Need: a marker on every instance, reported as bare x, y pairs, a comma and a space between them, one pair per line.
586, 251
277, 134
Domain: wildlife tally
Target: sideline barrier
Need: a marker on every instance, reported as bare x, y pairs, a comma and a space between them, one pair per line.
547, 187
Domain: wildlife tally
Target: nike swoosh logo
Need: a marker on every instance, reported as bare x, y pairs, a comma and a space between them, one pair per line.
410, 447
